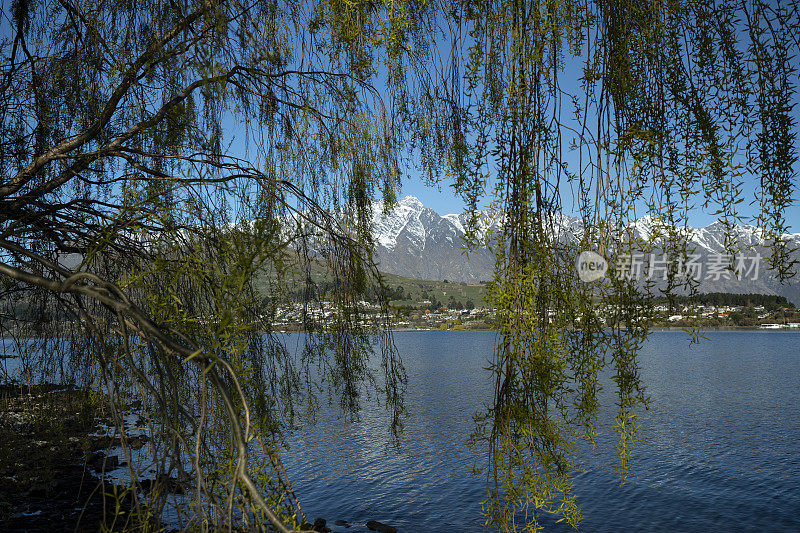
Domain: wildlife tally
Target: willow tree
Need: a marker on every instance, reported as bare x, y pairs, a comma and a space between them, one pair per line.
157, 156
167, 170
610, 110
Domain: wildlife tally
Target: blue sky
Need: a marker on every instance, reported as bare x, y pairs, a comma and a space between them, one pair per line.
442, 200
439, 198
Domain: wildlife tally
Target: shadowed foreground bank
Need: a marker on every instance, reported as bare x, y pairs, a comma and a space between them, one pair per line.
48, 450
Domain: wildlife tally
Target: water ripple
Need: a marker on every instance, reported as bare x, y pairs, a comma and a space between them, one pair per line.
721, 451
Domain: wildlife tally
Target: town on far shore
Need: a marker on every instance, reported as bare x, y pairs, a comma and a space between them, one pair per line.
706, 311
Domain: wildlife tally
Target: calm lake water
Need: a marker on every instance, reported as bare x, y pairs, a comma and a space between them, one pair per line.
722, 450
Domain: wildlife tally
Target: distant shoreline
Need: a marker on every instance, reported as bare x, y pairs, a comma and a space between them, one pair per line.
652, 329
7, 334
655, 328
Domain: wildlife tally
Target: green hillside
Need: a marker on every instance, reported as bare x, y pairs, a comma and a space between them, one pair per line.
420, 293
401, 291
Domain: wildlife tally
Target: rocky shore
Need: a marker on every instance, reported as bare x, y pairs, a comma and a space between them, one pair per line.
48, 449
320, 525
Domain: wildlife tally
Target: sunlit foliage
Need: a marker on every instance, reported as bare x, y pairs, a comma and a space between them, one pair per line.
155, 157
609, 110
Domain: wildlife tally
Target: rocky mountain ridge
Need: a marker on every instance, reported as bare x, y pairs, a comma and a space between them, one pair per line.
413, 240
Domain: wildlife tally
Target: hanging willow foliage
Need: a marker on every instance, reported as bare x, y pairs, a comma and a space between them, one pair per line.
622, 108
157, 158
171, 174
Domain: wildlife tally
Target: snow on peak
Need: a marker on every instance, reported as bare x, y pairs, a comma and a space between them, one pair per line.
645, 227
404, 216
455, 220
411, 219
411, 202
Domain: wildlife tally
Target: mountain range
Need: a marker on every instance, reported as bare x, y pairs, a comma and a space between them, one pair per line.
414, 241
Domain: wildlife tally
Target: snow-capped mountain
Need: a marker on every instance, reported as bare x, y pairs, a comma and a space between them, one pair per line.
415, 241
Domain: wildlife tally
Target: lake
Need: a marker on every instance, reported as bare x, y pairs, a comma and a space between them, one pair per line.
722, 450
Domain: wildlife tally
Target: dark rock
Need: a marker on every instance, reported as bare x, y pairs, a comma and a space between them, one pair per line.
112, 461
163, 482
101, 461
342, 523
101, 442
135, 404
319, 525
137, 441
381, 528
95, 460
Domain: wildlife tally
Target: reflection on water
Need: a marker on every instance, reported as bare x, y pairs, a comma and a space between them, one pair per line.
721, 451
